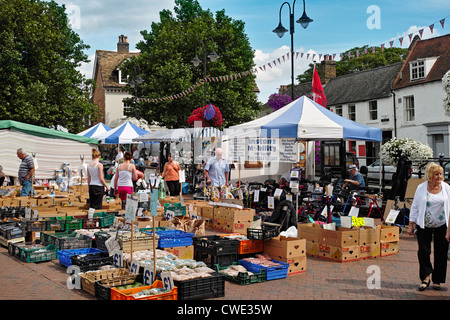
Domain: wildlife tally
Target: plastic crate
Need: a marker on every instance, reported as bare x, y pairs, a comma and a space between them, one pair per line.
103, 287
201, 288
272, 273
250, 246
215, 245
177, 209
100, 239
50, 237
55, 223
127, 294
48, 253
243, 278
106, 219
174, 238
34, 225
89, 278
265, 233
92, 261
67, 243
211, 260
93, 223
14, 248
141, 241
73, 223
64, 256
12, 230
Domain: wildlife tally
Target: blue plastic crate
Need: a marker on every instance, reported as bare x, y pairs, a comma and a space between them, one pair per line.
272, 273
65, 255
174, 238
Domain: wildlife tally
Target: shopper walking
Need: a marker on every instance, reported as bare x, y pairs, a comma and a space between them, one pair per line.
96, 181
125, 173
217, 170
171, 175
26, 171
430, 215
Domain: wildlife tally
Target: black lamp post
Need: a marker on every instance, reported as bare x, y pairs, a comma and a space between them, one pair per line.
213, 56
280, 31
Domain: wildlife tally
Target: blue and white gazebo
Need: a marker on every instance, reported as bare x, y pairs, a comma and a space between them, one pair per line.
123, 134
95, 131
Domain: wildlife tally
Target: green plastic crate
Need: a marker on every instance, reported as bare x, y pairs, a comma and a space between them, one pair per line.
176, 208
73, 223
39, 254
243, 278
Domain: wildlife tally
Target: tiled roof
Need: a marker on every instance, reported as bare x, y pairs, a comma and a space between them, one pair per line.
361, 86
107, 64
434, 47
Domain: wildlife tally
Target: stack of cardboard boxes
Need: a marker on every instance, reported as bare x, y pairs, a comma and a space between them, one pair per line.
289, 250
349, 244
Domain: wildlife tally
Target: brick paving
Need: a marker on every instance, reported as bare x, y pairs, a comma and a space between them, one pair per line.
323, 280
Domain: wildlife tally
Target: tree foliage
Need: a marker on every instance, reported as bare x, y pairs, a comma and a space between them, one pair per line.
39, 54
365, 61
165, 65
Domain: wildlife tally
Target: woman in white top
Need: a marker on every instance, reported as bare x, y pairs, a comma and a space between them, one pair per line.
430, 214
96, 181
125, 174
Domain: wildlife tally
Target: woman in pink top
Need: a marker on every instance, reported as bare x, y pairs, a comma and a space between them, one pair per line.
125, 174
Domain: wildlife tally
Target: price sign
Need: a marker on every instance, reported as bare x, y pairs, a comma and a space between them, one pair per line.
154, 203
134, 267
166, 278
256, 196
118, 258
354, 212
271, 202
169, 215
91, 213
392, 216
148, 275
131, 207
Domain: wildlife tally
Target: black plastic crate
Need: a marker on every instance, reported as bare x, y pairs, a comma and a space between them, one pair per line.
201, 288
67, 243
265, 233
14, 248
216, 245
211, 260
34, 225
12, 231
91, 261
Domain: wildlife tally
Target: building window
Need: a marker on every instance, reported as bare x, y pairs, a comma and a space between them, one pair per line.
417, 69
123, 77
352, 112
409, 108
373, 110
339, 110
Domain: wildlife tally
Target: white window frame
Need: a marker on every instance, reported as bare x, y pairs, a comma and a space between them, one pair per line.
410, 114
417, 69
338, 110
373, 110
120, 77
352, 113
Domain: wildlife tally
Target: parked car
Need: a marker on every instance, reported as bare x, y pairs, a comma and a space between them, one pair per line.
373, 171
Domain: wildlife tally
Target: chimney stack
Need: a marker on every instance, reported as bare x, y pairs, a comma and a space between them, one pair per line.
123, 46
328, 69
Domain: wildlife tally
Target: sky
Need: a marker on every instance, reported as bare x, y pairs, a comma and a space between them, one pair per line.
337, 27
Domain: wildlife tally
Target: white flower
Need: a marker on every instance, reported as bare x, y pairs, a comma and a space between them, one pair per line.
393, 149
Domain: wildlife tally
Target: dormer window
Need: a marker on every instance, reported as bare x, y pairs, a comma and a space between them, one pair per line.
123, 77
417, 69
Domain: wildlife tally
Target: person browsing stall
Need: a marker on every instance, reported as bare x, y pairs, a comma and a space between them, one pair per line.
26, 171
217, 170
429, 218
171, 175
96, 181
356, 180
125, 174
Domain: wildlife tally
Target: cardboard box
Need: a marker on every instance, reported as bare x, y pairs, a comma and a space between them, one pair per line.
285, 248
297, 265
11, 202
232, 226
186, 252
45, 202
229, 214
370, 250
369, 236
389, 248
312, 248
27, 202
341, 237
208, 212
389, 233
308, 231
339, 254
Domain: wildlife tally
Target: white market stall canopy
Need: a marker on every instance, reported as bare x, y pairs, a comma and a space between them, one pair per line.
123, 134
52, 147
95, 131
305, 120
179, 135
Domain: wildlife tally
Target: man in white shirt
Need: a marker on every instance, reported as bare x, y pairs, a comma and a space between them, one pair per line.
217, 170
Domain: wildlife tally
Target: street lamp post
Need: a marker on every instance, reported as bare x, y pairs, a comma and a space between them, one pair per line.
280, 31
213, 56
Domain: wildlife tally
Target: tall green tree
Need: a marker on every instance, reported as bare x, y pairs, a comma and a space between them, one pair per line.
39, 54
165, 65
365, 61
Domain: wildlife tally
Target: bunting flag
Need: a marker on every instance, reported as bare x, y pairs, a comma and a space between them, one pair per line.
280, 61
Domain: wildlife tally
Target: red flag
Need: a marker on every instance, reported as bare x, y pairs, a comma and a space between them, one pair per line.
317, 89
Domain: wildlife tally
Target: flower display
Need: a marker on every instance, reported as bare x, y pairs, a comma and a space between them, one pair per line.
277, 101
209, 115
393, 149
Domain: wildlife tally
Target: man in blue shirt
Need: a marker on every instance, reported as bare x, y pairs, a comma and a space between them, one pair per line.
217, 170
356, 180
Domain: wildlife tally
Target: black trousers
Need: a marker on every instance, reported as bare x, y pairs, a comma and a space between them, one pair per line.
96, 194
174, 187
424, 238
